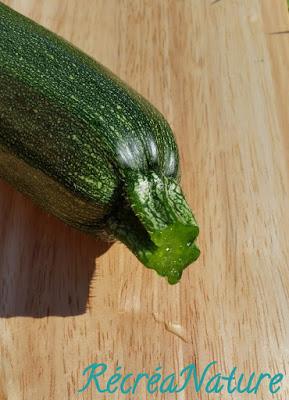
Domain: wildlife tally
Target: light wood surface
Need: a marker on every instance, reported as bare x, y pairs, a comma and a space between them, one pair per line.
220, 74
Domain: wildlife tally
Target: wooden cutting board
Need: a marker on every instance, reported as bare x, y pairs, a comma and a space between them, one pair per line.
219, 71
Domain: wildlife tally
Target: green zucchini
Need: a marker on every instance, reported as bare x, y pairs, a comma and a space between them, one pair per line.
89, 149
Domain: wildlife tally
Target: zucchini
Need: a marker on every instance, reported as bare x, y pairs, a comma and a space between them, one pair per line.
89, 149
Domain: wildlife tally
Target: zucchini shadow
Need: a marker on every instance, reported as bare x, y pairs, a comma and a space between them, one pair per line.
46, 267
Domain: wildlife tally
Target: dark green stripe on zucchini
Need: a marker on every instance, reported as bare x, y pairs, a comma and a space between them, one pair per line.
89, 149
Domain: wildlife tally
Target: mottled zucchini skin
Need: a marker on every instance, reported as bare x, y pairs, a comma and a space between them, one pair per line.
66, 118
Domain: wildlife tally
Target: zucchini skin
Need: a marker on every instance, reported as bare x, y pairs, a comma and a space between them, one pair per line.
84, 145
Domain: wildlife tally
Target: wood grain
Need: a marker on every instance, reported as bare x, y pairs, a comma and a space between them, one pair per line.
220, 75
